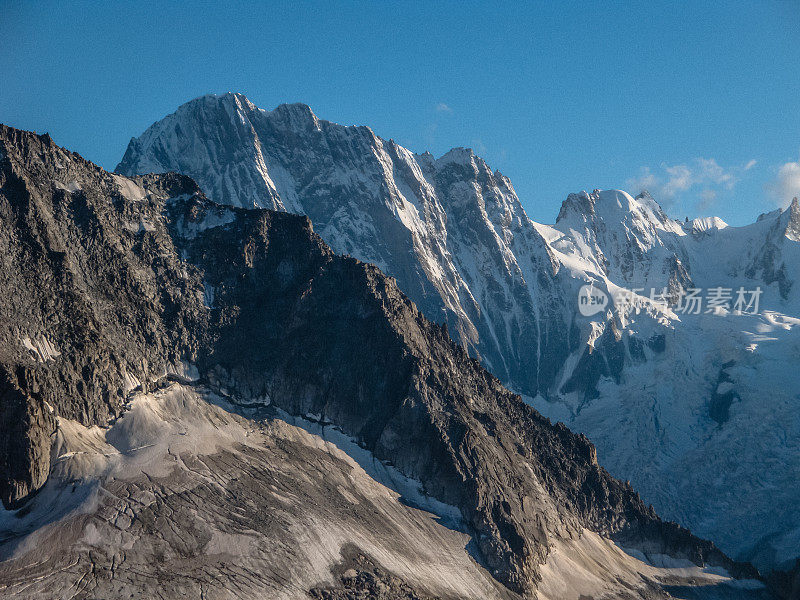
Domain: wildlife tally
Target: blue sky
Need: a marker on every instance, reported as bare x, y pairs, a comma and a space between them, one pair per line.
699, 102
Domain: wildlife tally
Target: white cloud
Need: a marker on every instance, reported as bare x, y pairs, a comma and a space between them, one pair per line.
710, 171
679, 179
708, 198
443, 108
670, 181
645, 181
787, 183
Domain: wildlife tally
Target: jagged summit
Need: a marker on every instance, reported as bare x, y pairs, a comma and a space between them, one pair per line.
460, 155
297, 115
20, 146
233, 99
613, 206
705, 224
793, 221
188, 125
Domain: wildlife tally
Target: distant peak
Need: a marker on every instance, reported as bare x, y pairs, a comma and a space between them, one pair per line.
588, 203
296, 108
793, 222
233, 98
296, 114
461, 156
645, 195
581, 203
426, 160
613, 206
705, 225
240, 99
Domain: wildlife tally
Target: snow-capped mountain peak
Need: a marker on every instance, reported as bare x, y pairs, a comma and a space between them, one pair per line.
614, 207
630, 240
293, 409
703, 225
296, 116
459, 156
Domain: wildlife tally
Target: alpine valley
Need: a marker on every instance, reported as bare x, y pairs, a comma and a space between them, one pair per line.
276, 357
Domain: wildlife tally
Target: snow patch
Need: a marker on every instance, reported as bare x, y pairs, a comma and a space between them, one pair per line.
41, 348
129, 189
593, 566
71, 187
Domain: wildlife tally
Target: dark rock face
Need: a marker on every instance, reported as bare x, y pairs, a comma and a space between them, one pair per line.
122, 280
786, 584
97, 298
606, 358
360, 577
25, 439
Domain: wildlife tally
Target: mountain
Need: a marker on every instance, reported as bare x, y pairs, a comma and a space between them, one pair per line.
698, 411
452, 232
200, 400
